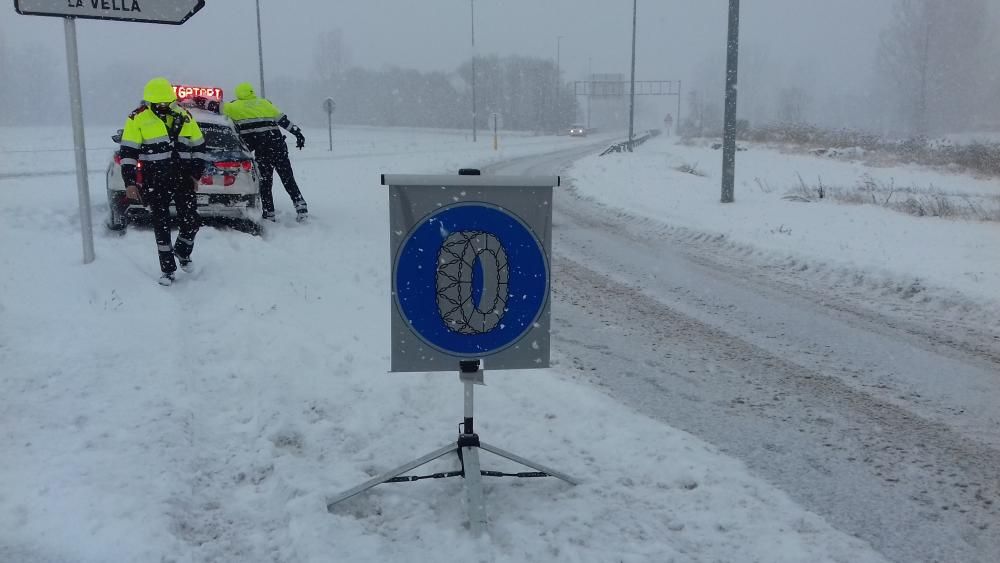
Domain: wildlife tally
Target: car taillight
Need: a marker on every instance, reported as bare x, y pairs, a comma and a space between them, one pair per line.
246, 165
228, 180
207, 180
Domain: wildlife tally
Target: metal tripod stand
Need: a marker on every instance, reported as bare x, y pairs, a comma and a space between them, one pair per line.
467, 447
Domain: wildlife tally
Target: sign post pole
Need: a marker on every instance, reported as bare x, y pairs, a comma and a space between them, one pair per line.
79, 144
329, 105
495, 118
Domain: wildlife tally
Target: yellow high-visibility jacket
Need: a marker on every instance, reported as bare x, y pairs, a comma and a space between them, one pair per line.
161, 145
257, 119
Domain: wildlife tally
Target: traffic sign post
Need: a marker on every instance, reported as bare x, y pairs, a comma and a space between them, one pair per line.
329, 105
173, 12
497, 121
470, 284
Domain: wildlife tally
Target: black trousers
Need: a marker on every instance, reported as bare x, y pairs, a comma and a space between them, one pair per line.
158, 191
271, 156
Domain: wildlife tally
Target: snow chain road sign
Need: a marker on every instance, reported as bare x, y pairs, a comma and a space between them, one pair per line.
173, 12
470, 270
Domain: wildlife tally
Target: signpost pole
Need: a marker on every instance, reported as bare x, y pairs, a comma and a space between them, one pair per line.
329, 105
79, 144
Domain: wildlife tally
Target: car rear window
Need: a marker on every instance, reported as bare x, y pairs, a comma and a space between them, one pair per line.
219, 138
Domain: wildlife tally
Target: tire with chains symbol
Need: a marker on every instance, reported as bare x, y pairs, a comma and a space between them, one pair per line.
468, 305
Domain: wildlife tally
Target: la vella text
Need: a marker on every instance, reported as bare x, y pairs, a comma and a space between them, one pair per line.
112, 5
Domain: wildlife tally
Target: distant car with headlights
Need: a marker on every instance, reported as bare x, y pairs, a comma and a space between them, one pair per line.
577, 131
229, 188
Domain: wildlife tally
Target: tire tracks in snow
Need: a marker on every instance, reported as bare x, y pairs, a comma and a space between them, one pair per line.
871, 463
228, 479
915, 489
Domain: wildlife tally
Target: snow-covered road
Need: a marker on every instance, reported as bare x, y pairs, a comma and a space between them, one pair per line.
872, 417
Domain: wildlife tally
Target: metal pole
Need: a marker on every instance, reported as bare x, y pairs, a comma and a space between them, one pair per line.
677, 124
260, 54
590, 88
472, 4
475, 504
631, 104
558, 86
329, 119
79, 145
729, 133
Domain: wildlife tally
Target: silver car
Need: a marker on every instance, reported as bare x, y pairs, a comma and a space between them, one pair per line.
229, 189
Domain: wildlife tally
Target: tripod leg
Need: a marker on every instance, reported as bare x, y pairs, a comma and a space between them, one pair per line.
450, 448
526, 463
475, 505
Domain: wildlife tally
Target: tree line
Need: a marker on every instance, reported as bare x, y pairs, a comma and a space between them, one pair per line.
933, 71
524, 90
938, 66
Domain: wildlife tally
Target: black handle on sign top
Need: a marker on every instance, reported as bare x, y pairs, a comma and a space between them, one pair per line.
468, 172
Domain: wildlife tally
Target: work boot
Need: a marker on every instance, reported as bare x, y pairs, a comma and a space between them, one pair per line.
185, 262
167, 278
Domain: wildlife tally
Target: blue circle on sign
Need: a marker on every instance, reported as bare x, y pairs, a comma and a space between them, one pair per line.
416, 280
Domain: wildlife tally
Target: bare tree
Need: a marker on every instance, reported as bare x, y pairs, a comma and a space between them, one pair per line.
332, 58
792, 104
934, 57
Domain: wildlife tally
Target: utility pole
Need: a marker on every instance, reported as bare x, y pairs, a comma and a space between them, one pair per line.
677, 127
631, 103
729, 132
260, 54
590, 88
472, 4
558, 86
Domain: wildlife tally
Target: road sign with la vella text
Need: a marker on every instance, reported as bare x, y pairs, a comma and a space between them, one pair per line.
174, 12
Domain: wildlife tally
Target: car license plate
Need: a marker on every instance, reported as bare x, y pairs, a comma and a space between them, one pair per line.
202, 199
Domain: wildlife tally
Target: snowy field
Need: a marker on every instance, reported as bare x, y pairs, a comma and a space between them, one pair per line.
210, 421
939, 261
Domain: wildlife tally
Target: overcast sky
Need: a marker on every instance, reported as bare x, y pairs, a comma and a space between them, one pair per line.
830, 43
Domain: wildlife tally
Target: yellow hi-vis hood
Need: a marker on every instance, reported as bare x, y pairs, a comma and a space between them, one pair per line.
159, 91
244, 91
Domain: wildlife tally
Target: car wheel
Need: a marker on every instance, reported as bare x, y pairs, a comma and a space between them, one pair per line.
117, 220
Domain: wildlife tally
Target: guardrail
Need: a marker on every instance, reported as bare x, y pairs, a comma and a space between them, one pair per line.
636, 141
